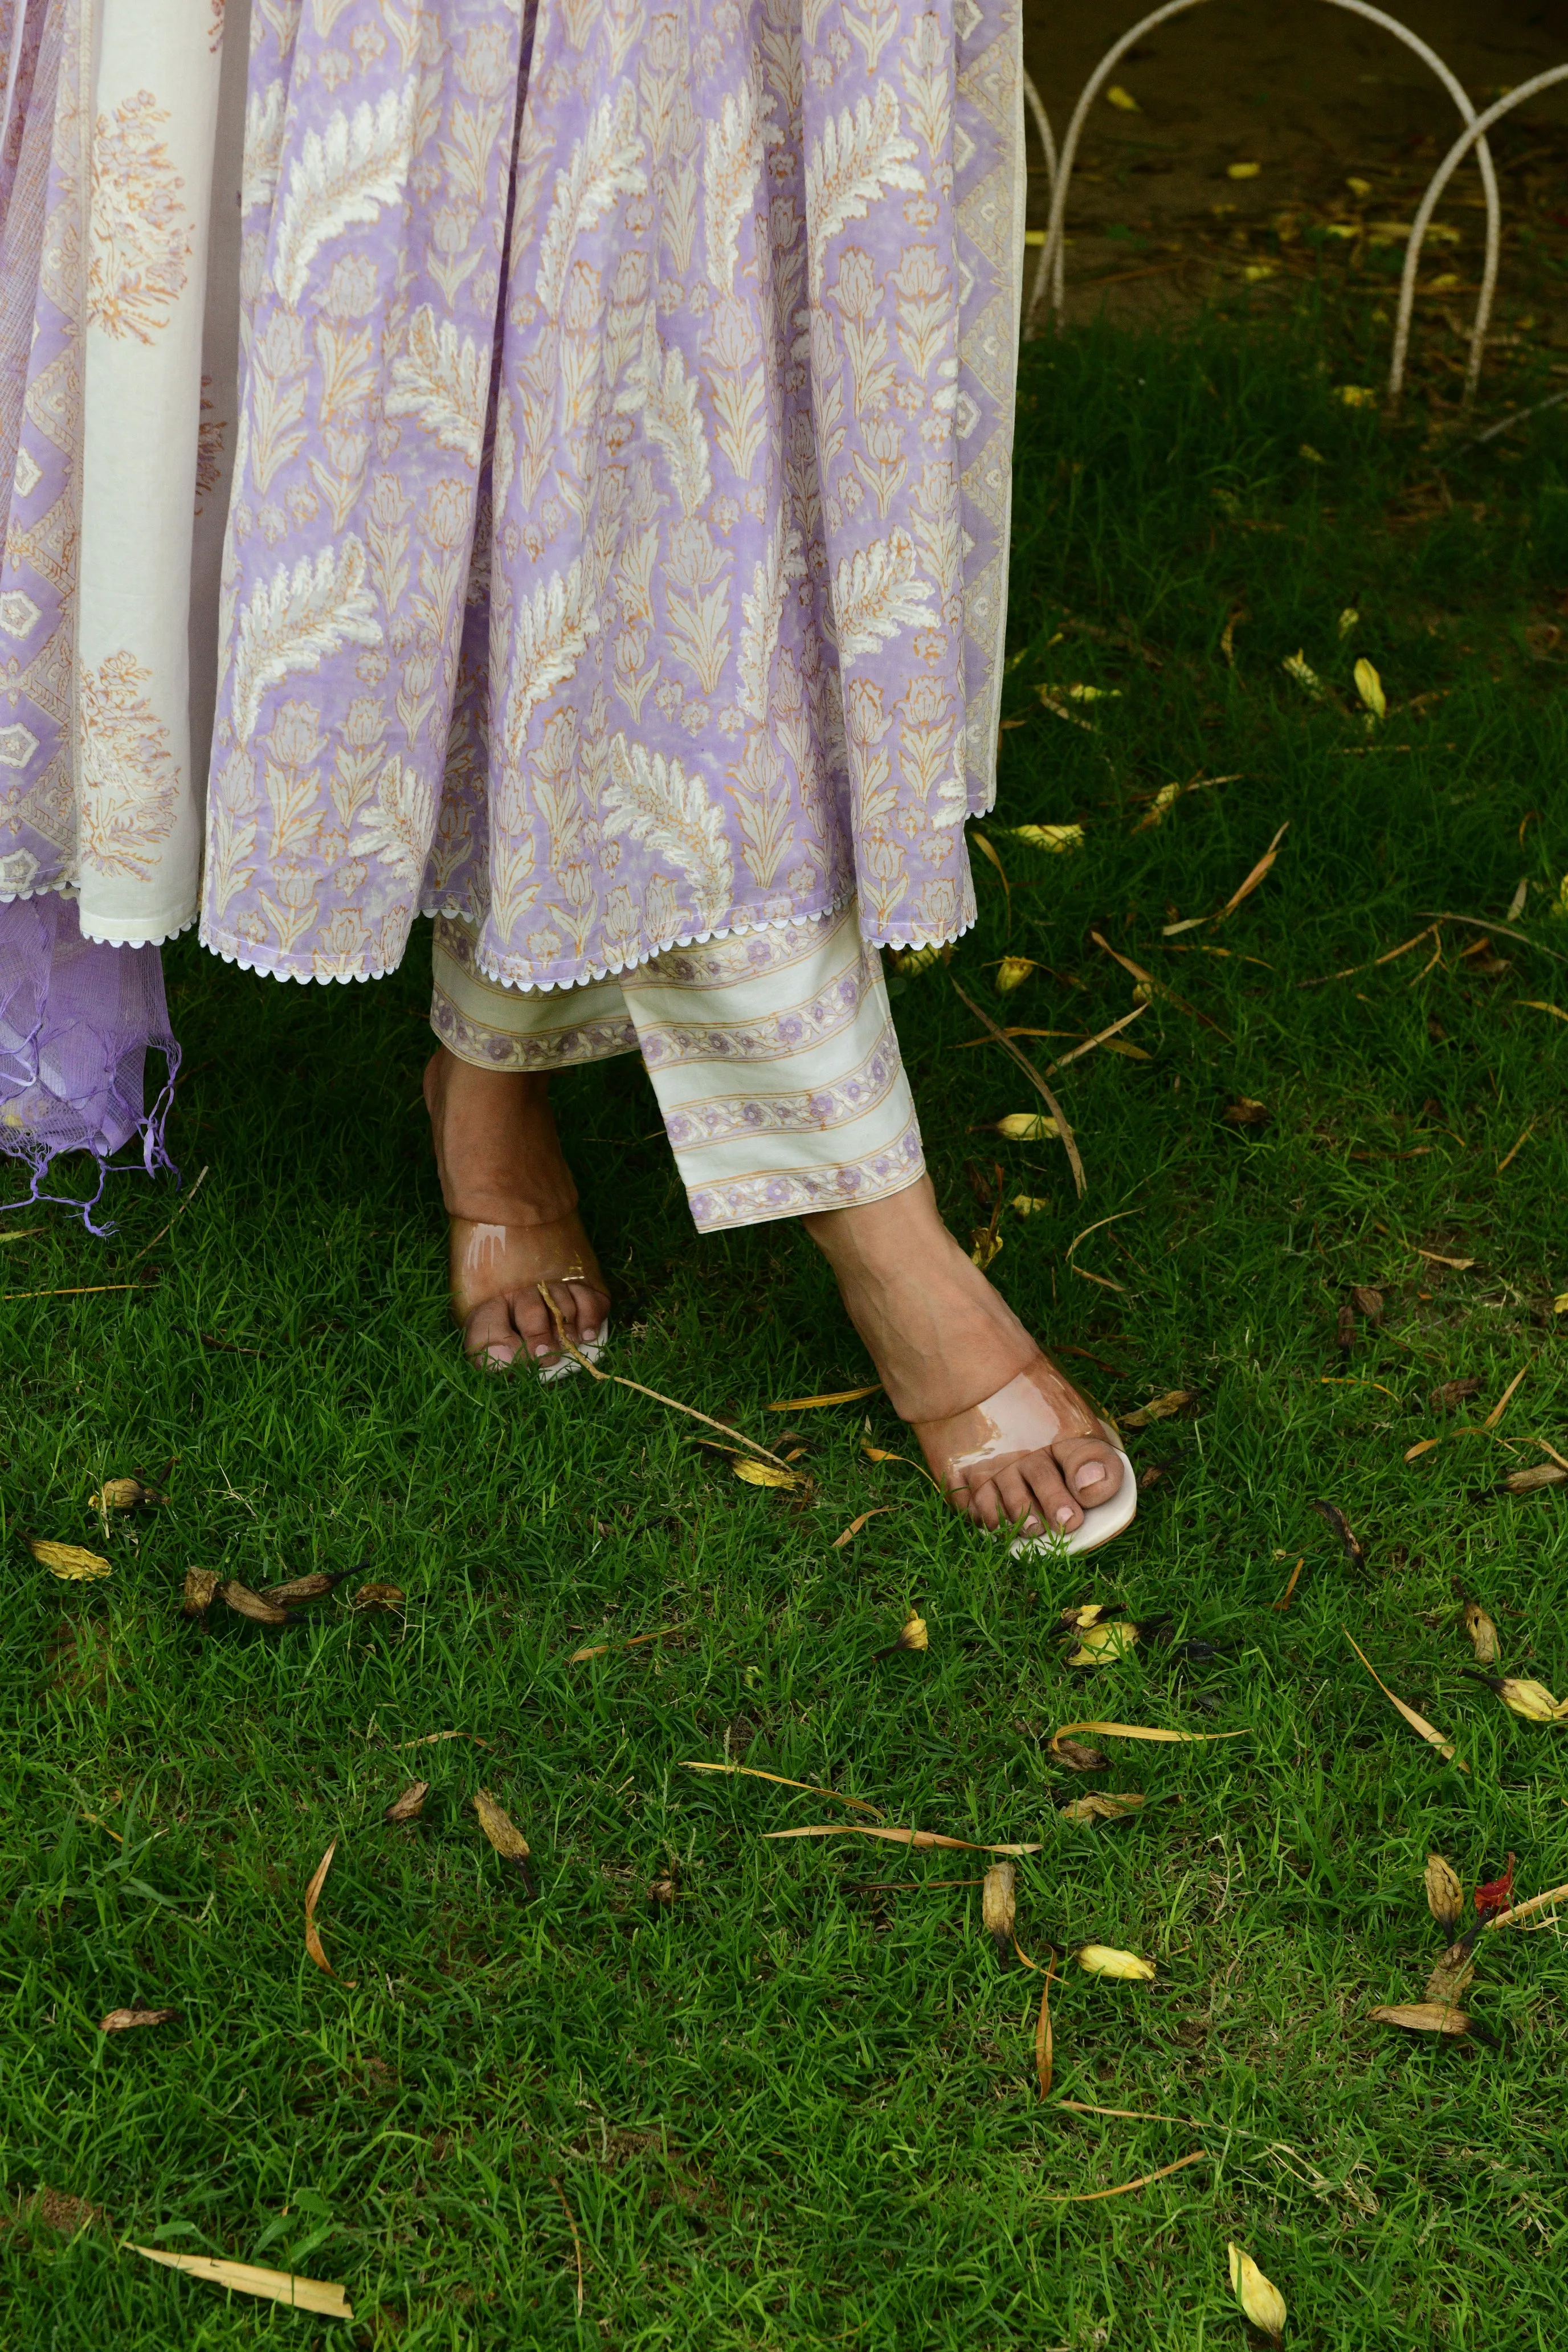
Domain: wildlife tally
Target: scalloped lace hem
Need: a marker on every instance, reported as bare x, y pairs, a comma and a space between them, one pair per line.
150, 939
454, 912
61, 889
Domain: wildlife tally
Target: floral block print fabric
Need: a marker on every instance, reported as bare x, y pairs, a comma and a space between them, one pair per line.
42, 303
118, 366
154, 464
772, 1055
618, 546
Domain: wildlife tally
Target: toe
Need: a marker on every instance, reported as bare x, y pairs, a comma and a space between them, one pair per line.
1018, 1502
1091, 1467
1051, 1498
981, 1501
489, 1337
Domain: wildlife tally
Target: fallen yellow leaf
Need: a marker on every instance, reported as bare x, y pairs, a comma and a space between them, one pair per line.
1140, 1731
1417, 1723
1369, 686
754, 1772
918, 1839
1012, 971
763, 1473
312, 1940
1026, 1126
69, 1561
1095, 1807
1424, 2017
1104, 1645
319, 2296
839, 1396
503, 1834
1161, 1409
1242, 170
1058, 839
1122, 100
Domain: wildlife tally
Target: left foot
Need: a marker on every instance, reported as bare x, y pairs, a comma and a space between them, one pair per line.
1006, 1435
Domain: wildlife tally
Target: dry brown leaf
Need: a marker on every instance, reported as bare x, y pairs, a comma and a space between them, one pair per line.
1483, 1635
1519, 1911
918, 1839
1105, 1960
1078, 1759
1417, 1723
389, 1597
1343, 1528
410, 1805
1444, 1893
753, 1772
840, 1396
200, 1587
633, 1641
123, 1495
1091, 2195
1367, 1302
434, 1738
998, 1907
1422, 1445
124, 2020
68, 1561
763, 1473
1453, 1974
1435, 1257
1449, 1395
1143, 1731
856, 1525
1097, 1808
1157, 987
1424, 2017
1526, 1482
320, 2295
503, 1834
1244, 1112
1044, 2044
300, 1588
1104, 1645
312, 1896
1504, 1400
245, 1604
1260, 2298
1160, 1408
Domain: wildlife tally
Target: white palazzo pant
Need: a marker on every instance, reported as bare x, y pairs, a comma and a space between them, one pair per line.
773, 1055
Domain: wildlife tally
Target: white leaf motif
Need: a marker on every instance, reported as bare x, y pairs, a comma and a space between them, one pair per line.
399, 828
731, 167
296, 620
760, 613
604, 164
855, 158
264, 111
548, 636
342, 176
877, 592
658, 383
442, 379
656, 801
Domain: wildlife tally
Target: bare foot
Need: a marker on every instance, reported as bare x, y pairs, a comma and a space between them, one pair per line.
514, 1221
1005, 1433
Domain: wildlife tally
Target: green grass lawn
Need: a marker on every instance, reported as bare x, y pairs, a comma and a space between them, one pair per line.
785, 2094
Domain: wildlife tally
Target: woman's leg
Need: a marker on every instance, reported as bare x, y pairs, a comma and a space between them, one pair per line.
777, 1068
510, 1194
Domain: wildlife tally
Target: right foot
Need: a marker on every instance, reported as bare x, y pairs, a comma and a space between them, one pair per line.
513, 1207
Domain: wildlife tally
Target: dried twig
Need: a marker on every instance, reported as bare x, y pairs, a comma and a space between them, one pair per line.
179, 1212
577, 2241
674, 1403
1068, 1143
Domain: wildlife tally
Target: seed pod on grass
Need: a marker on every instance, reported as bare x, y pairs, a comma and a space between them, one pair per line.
1260, 2298
1445, 1895
1531, 1701
1453, 1975
200, 1590
123, 2021
245, 1604
507, 1840
1095, 1808
389, 1597
998, 1907
1483, 1635
302, 1588
1077, 1758
1368, 1302
123, 1495
409, 1805
1104, 1960
1424, 2017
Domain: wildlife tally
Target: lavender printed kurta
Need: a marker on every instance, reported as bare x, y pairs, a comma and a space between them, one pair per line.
617, 548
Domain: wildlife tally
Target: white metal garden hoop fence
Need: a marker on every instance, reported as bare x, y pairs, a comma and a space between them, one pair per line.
1050, 276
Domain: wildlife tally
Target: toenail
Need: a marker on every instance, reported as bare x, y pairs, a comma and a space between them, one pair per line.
1031, 1525
1091, 1473
1064, 1515
542, 1347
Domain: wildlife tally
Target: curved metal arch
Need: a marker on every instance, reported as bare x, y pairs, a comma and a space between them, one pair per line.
1052, 267
1042, 122
1473, 136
